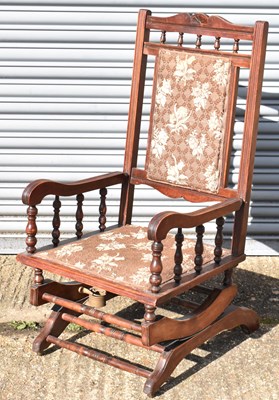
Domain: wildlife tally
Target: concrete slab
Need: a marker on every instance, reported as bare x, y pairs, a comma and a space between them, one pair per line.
232, 366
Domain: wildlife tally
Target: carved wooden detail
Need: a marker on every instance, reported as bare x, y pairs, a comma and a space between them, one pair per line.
56, 221
199, 248
103, 210
79, 215
219, 240
178, 257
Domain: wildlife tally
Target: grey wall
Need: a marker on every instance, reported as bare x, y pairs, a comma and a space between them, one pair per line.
65, 70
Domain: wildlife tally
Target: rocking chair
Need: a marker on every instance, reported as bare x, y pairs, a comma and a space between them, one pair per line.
188, 156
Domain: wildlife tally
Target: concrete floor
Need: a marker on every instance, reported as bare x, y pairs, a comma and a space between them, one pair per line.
232, 366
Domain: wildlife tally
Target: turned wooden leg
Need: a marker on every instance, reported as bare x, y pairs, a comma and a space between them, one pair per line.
31, 240
228, 277
149, 315
38, 277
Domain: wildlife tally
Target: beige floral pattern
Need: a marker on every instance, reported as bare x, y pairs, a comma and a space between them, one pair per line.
189, 113
201, 92
211, 176
127, 261
178, 119
197, 143
108, 260
220, 75
174, 171
110, 246
73, 248
183, 70
159, 142
162, 92
215, 125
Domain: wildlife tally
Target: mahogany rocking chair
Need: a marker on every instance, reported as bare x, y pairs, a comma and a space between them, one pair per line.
188, 156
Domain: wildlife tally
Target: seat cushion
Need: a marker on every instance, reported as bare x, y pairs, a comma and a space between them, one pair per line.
187, 126
122, 255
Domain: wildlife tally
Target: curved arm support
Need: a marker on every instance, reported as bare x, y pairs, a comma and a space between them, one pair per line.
163, 222
37, 190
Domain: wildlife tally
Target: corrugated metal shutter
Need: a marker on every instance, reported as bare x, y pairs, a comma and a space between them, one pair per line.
65, 70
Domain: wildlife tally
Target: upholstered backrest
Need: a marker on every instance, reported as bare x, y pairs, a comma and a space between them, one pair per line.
188, 116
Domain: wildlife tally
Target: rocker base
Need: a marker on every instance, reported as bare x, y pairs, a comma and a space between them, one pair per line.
175, 352
171, 353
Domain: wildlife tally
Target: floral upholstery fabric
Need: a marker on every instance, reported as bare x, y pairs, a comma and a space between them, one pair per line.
189, 111
122, 255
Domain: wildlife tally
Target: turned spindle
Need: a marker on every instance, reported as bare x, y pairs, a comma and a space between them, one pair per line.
199, 249
102, 210
163, 37
217, 43
31, 229
56, 221
198, 41
156, 267
219, 240
79, 216
180, 39
236, 46
178, 256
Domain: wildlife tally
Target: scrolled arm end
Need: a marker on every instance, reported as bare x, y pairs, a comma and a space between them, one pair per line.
161, 224
30, 195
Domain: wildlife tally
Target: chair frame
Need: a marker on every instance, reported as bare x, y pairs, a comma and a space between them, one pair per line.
216, 313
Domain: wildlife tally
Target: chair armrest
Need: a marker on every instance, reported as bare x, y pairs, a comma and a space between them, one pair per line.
163, 222
37, 190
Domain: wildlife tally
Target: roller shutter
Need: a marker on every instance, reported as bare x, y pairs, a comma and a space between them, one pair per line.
65, 70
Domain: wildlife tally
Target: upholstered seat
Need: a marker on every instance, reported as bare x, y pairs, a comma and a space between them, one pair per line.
122, 255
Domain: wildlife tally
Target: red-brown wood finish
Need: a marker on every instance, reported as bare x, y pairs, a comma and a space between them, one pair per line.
79, 215
56, 221
172, 338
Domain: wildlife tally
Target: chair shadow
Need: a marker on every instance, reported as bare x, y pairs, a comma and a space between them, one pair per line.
216, 348
255, 291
